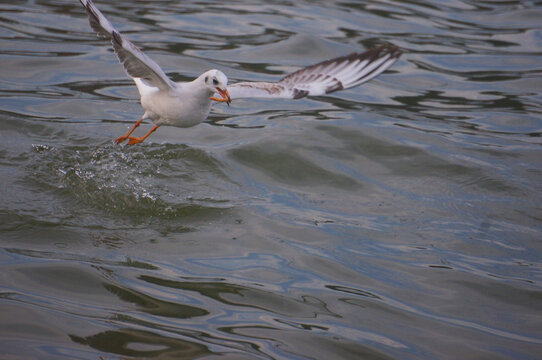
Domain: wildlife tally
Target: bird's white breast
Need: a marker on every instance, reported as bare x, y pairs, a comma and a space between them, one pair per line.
181, 106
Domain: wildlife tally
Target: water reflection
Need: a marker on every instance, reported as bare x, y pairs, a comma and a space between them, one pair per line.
389, 221
137, 343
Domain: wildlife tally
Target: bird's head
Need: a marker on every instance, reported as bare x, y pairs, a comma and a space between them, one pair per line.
216, 81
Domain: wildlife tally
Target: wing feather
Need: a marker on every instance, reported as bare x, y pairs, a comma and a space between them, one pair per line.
323, 78
136, 63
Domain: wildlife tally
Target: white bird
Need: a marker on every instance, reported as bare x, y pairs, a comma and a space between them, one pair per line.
186, 104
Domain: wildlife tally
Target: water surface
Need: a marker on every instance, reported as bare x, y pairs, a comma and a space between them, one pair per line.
398, 220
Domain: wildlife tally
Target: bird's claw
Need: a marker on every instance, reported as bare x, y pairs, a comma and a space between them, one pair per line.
133, 141
120, 139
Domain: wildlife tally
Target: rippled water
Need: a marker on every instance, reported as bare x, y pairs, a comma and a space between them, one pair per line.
398, 220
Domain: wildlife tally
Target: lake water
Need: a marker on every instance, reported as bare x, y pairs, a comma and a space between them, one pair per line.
398, 220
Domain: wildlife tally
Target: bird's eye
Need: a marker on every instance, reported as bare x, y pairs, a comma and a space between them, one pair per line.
215, 82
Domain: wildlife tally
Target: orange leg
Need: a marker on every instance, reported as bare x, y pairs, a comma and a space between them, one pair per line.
137, 140
124, 137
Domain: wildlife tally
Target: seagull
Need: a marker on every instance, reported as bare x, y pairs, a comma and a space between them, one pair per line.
186, 104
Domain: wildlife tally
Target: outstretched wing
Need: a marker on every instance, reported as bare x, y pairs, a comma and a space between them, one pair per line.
323, 78
135, 62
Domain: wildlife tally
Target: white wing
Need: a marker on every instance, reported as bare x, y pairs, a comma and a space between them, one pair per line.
323, 78
135, 62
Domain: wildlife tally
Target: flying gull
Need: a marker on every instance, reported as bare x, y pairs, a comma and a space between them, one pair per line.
186, 104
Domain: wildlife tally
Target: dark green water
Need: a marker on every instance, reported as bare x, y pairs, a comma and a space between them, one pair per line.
398, 220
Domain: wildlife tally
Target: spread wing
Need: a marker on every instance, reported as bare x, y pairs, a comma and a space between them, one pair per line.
135, 62
323, 78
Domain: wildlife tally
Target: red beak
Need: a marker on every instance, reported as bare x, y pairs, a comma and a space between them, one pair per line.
225, 95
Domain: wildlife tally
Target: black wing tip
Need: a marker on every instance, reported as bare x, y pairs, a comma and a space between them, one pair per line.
374, 54
94, 19
377, 52
393, 50
95, 24
371, 54
88, 7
